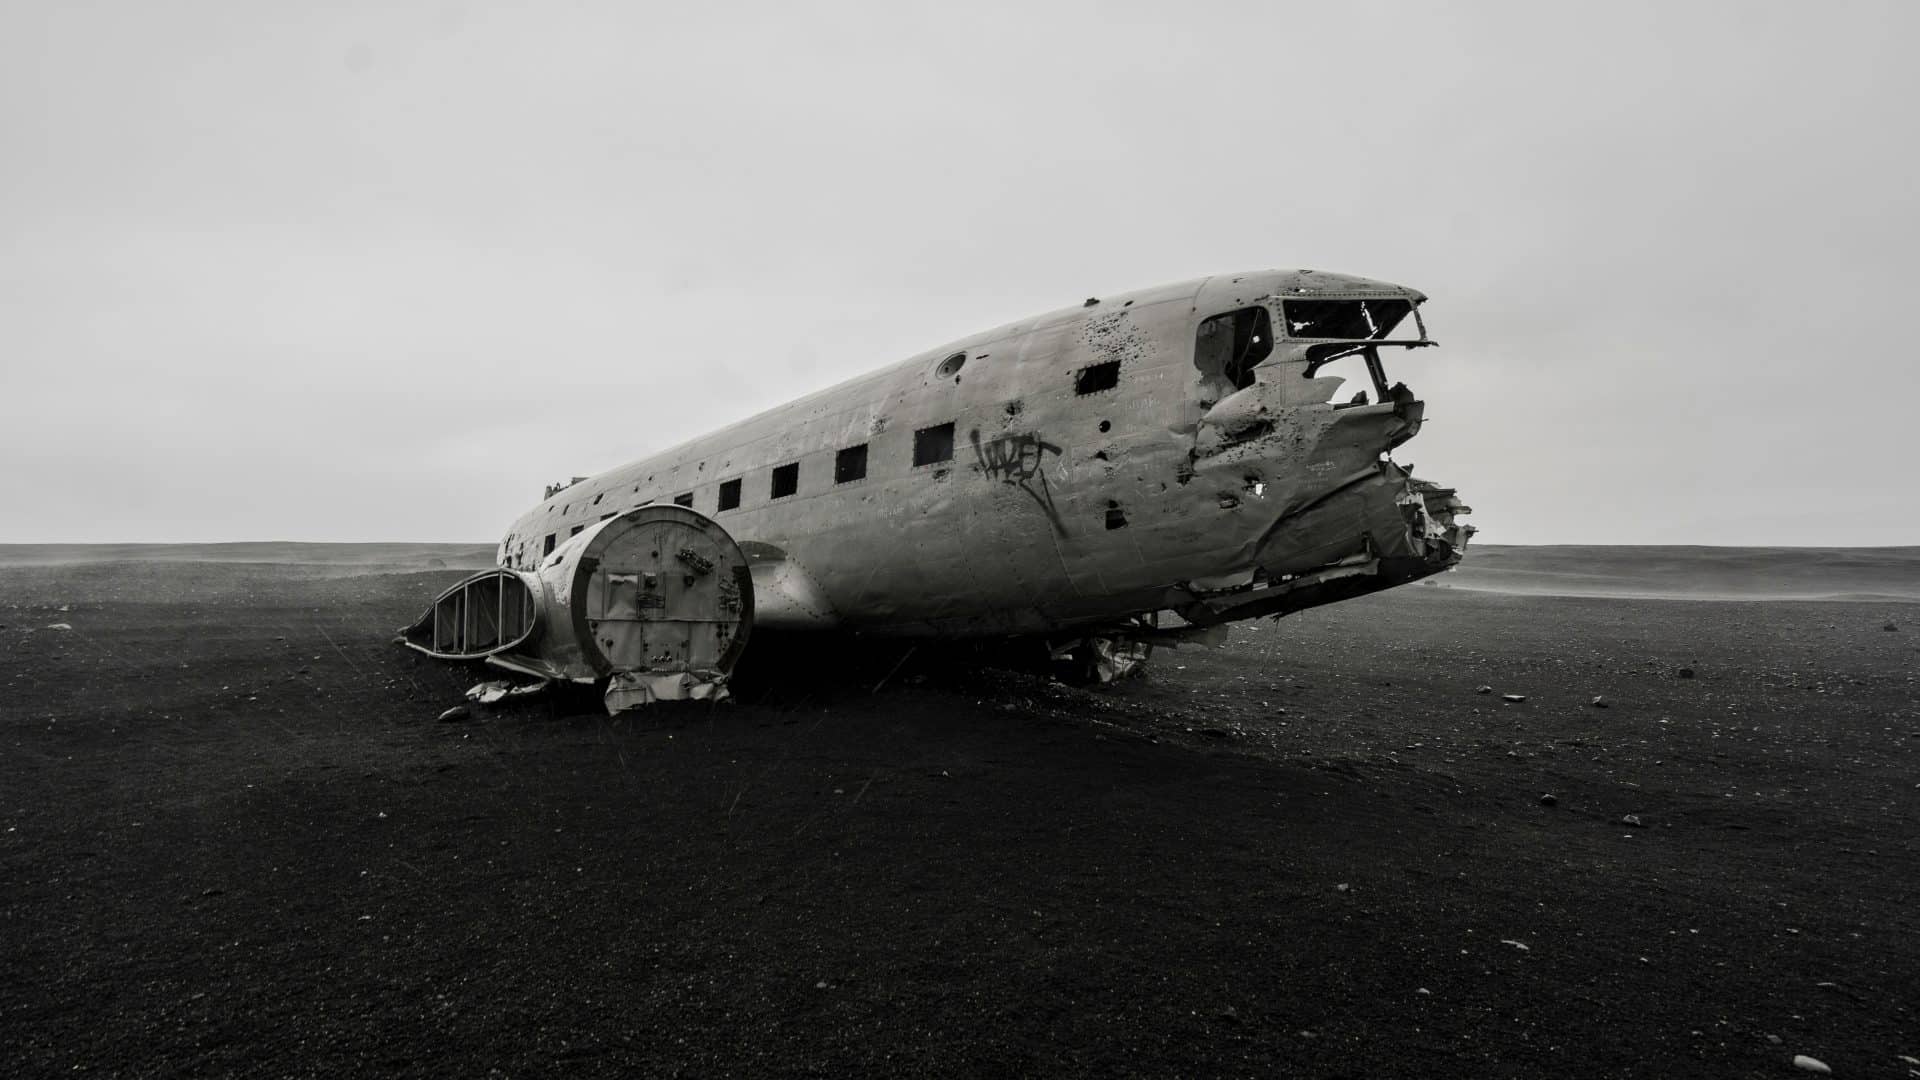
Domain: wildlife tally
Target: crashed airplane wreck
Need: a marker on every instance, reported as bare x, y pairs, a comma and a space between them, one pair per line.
1215, 450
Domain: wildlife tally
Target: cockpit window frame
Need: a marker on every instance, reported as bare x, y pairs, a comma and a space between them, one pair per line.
1285, 319
1250, 343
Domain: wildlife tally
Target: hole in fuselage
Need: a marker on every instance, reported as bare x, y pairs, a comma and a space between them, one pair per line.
1092, 380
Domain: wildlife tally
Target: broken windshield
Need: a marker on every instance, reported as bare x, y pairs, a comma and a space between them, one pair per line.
1348, 320
1229, 345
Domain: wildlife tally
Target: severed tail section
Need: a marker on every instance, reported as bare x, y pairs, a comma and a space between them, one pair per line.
655, 604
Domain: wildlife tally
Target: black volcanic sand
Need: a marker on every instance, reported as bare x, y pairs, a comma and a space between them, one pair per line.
1803, 573
237, 842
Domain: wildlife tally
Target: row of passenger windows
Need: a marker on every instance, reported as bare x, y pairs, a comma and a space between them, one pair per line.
931, 446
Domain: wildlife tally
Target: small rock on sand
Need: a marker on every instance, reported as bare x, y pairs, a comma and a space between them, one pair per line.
1633, 820
1483, 689
58, 626
1812, 1065
1599, 702
1549, 800
1684, 673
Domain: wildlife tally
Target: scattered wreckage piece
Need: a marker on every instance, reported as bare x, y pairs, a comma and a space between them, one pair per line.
1101, 658
1123, 651
498, 690
656, 602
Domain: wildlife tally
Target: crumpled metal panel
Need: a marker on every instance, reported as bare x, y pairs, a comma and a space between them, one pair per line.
635, 689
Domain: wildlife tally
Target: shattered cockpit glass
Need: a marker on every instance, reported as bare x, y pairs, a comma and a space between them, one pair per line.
1229, 346
1345, 319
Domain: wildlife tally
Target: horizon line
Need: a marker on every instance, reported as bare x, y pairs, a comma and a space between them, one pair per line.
1472, 547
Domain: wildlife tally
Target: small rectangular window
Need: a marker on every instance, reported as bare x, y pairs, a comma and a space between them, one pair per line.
850, 464
730, 494
547, 548
685, 498
1092, 380
786, 480
933, 444
576, 530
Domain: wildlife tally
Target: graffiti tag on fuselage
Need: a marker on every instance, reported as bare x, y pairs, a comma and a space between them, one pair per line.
1017, 460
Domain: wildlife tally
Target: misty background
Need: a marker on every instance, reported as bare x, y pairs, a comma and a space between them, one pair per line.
381, 271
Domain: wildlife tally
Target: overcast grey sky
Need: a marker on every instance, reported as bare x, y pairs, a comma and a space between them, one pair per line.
332, 271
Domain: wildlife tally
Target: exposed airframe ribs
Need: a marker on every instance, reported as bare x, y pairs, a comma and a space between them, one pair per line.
485, 614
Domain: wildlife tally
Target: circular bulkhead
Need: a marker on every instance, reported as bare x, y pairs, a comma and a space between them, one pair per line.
658, 590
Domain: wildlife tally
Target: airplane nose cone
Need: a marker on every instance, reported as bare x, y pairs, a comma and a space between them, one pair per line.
1388, 517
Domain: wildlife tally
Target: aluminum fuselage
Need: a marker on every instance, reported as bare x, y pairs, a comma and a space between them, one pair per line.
1059, 506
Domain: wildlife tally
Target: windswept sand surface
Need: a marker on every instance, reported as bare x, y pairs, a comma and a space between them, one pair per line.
234, 841
1560, 570
321, 557
1695, 572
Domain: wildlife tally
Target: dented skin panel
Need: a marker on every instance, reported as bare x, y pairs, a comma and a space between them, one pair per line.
1265, 485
